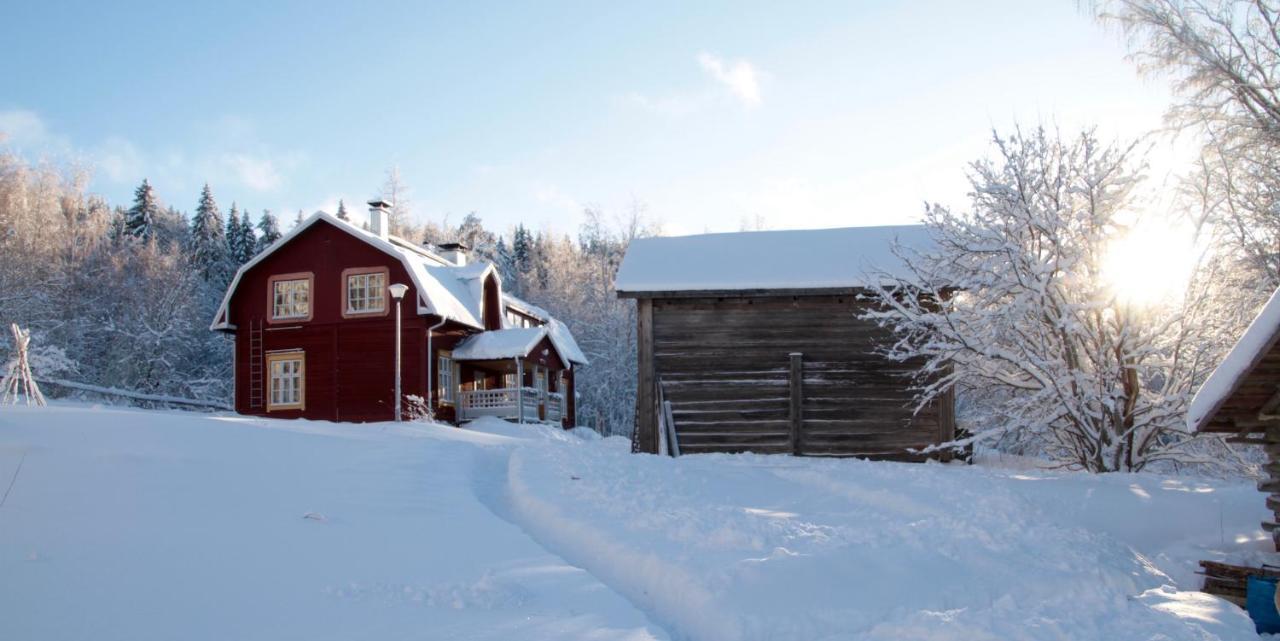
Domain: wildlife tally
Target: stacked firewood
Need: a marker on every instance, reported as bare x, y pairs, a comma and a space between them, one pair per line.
1231, 582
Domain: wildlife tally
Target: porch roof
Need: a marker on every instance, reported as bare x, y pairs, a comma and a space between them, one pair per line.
499, 344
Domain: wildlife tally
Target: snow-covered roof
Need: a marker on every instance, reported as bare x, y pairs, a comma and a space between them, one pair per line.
1256, 342
499, 344
518, 341
786, 259
526, 307
562, 338
444, 289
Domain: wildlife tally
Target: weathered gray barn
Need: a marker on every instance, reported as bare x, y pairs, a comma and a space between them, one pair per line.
752, 341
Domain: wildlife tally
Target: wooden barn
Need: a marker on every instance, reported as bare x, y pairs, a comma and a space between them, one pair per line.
312, 317
752, 341
1242, 398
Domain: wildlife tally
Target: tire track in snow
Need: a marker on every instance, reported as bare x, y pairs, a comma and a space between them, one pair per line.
668, 595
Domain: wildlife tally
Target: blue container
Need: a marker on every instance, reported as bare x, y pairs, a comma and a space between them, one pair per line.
1260, 601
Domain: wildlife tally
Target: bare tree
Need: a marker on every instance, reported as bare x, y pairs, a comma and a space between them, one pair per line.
395, 191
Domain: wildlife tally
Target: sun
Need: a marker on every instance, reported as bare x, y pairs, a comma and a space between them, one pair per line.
1150, 264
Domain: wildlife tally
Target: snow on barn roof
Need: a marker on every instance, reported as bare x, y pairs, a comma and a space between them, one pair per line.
444, 289
786, 259
1256, 342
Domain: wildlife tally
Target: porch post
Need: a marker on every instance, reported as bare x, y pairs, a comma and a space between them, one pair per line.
520, 389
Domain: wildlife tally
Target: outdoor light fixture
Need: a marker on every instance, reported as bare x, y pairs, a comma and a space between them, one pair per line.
397, 292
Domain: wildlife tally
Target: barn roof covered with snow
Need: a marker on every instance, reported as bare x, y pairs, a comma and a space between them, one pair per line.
795, 259
1243, 393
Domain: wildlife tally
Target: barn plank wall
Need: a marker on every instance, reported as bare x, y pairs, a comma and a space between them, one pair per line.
726, 366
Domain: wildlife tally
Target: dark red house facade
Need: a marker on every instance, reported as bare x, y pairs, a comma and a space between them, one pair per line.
313, 318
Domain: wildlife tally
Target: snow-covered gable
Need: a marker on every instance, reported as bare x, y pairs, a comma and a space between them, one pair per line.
445, 290
788, 259
1248, 351
563, 340
499, 344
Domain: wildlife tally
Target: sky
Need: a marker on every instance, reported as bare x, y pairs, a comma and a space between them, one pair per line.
711, 116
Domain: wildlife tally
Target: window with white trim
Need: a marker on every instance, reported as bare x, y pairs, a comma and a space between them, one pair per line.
366, 293
286, 380
509, 381
444, 373
291, 298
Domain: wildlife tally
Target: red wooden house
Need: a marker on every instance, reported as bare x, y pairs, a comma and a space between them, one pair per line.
315, 335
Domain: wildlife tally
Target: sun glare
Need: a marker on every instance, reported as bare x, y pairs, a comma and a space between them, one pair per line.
1150, 265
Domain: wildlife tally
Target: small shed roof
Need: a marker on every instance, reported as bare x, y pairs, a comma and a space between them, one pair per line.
850, 257
1247, 382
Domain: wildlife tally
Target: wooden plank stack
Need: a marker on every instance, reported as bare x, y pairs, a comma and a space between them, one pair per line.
1231, 581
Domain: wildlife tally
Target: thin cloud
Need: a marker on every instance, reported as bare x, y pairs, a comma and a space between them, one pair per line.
739, 76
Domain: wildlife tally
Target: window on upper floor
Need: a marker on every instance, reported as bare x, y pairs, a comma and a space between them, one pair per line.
366, 293
291, 298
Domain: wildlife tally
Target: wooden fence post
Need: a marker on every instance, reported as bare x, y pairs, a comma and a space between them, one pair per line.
797, 395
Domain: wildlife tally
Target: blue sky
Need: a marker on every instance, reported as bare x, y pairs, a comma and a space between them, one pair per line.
799, 114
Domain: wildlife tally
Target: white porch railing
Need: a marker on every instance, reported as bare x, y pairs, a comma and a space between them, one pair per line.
555, 406
503, 403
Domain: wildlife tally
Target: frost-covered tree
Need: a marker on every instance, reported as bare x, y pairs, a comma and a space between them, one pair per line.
395, 191
140, 219
207, 241
247, 243
1224, 59
342, 211
1013, 308
268, 230
235, 239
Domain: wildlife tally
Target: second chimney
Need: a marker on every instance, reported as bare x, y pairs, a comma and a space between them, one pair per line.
455, 253
380, 217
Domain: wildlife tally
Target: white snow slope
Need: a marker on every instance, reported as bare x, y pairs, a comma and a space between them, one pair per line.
122, 524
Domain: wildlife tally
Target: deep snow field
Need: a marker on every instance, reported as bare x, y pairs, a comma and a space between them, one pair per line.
127, 524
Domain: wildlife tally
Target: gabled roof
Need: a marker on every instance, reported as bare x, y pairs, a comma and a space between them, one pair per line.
849, 257
1237, 381
525, 307
499, 344
446, 290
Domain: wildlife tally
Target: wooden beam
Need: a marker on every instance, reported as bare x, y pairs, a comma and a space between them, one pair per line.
646, 380
797, 399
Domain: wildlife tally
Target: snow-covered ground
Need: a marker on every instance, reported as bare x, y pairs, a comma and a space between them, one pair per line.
122, 524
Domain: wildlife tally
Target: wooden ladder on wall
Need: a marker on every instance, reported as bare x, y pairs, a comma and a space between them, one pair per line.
255, 364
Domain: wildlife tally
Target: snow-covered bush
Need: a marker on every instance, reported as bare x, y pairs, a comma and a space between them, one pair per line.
1014, 309
417, 409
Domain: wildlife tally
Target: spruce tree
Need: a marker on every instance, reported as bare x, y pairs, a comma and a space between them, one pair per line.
207, 242
248, 239
269, 229
342, 211
234, 238
140, 220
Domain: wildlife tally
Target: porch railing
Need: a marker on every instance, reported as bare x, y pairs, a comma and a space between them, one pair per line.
503, 403
555, 406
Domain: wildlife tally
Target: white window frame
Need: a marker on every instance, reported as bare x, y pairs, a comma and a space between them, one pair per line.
286, 381
509, 380
286, 303
361, 282
447, 379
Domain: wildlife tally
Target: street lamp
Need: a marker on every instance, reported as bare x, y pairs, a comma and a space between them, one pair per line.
397, 292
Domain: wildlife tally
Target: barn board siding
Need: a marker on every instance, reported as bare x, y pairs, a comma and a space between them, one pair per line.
724, 364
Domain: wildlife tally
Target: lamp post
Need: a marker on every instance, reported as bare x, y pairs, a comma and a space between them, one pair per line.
397, 292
